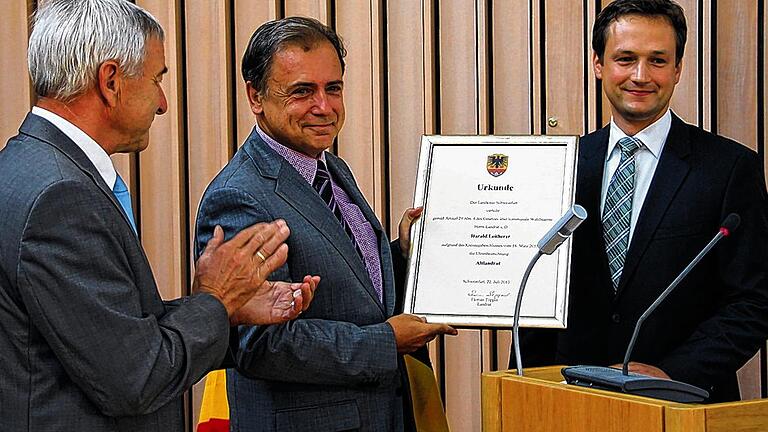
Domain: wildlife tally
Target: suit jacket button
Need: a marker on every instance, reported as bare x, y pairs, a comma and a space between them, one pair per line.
616, 318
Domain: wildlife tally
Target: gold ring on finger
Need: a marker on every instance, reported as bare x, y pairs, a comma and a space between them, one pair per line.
261, 255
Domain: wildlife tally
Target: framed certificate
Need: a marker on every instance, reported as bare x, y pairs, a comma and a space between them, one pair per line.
487, 202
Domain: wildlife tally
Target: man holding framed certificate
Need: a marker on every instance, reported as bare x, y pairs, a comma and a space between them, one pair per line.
339, 365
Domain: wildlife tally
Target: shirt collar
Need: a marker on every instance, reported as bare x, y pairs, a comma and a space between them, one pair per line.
305, 165
95, 153
653, 136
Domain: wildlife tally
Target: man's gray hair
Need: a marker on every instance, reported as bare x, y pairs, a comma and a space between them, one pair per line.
72, 38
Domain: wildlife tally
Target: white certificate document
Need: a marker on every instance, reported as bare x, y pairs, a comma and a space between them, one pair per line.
488, 200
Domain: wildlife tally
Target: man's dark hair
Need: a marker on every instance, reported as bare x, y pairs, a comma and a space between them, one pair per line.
666, 9
273, 36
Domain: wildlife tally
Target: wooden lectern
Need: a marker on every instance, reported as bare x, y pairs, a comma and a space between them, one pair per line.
540, 401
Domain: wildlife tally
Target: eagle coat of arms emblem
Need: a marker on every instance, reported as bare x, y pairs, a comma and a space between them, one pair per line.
497, 164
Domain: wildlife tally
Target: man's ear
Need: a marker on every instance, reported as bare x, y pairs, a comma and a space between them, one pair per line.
597, 65
110, 79
254, 98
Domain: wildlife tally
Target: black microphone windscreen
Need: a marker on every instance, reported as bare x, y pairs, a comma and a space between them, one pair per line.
731, 222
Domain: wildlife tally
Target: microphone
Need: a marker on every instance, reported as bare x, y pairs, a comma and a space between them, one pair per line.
562, 229
612, 379
729, 224
552, 240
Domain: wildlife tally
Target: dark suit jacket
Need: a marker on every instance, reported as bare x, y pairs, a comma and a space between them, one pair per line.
717, 317
336, 366
86, 343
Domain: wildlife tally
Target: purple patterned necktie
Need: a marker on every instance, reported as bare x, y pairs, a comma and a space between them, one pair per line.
322, 184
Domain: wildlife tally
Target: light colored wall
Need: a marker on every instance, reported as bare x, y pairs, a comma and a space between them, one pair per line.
414, 67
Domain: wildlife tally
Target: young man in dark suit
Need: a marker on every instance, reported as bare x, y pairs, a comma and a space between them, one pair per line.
656, 190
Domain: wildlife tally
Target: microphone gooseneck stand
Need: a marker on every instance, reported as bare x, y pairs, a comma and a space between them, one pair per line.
548, 244
518, 306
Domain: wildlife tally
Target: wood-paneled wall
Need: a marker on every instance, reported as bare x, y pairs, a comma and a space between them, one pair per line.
414, 67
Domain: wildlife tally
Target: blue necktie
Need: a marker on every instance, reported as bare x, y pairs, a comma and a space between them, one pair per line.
124, 198
617, 213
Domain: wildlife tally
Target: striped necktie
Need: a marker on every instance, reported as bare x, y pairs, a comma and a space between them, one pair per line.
617, 212
120, 190
323, 186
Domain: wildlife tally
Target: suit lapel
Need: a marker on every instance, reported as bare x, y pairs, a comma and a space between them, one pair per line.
294, 189
43, 130
343, 177
592, 151
670, 173
590, 176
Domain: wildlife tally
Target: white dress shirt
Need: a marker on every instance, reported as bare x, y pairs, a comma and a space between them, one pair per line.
647, 158
95, 153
